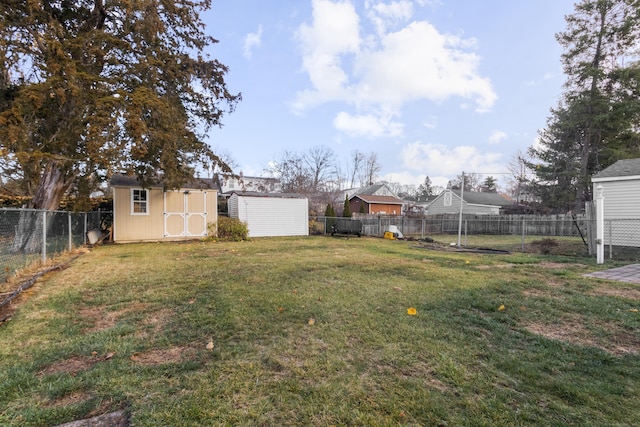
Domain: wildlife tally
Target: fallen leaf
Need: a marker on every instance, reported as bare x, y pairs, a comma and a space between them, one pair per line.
633, 310
210, 345
502, 307
280, 309
411, 311
109, 356
397, 288
295, 291
312, 321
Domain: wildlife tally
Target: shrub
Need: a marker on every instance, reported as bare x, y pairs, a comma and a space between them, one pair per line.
545, 245
229, 230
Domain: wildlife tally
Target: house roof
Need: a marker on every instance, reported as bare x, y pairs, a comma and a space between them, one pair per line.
119, 180
386, 200
476, 198
370, 190
627, 167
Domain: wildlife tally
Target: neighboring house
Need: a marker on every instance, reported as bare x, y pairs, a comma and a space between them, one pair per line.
375, 199
153, 213
229, 183
277, 214
448, 202
621, 191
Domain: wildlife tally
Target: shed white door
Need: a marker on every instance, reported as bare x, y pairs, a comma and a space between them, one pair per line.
185, 213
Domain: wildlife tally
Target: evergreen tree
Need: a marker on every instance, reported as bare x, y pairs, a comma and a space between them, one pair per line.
111, 86
329, 211
346, 212
425, 190
596, 120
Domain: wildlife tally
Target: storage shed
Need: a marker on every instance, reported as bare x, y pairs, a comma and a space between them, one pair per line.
155, 214
270, 215
621, 190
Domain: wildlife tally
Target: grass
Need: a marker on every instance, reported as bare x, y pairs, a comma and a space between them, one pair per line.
315, 331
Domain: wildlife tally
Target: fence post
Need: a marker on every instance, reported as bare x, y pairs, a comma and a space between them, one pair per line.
44, 237
84, 236
524, 223
70, 236
610, 239
600, 225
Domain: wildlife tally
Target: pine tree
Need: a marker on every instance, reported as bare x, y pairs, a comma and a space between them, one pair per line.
346, 212
329, 212
595, 121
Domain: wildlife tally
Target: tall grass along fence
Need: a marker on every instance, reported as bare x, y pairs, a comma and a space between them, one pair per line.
29, 236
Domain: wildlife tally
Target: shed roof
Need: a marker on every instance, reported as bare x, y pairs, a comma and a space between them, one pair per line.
627, 167
386, 200
270, 195
120, 180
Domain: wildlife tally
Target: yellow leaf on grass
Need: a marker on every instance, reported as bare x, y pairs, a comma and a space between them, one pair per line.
312, 321
502, 307
210, 345
411, 311
633, 310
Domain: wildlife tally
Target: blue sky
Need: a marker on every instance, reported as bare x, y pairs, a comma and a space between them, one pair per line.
434, 87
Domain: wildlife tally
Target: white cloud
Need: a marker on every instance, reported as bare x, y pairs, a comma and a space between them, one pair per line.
382, 15
497, 136
370, 125
398, 63
439, 160
251, 41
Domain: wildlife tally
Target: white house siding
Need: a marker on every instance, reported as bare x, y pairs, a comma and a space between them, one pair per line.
621, 201
271, 216
621, 198
437, 207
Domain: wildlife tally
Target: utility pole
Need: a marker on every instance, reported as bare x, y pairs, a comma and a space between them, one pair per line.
461, 206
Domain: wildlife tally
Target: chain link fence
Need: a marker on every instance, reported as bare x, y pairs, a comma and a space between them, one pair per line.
30, 236
557, 234
621, 239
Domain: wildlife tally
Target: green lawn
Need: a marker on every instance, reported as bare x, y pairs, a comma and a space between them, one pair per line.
316, 331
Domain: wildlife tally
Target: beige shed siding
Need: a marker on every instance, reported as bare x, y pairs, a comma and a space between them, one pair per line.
271, 216
129, 228
152, 227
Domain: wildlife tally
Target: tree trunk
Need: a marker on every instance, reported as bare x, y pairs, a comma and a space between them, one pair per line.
54, 183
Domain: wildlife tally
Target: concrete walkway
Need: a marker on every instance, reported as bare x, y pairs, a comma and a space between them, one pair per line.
628, 274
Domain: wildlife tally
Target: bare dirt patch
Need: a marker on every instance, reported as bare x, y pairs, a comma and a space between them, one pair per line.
71, 366
632, 294
163, 356
497, 266
559, 265
617, 342
103, 319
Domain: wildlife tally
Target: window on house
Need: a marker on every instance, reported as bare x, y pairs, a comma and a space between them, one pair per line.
139, 201
447, 199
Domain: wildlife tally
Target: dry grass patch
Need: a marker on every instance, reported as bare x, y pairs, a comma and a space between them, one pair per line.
632, 294
72, 365
617, 341
163, 356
